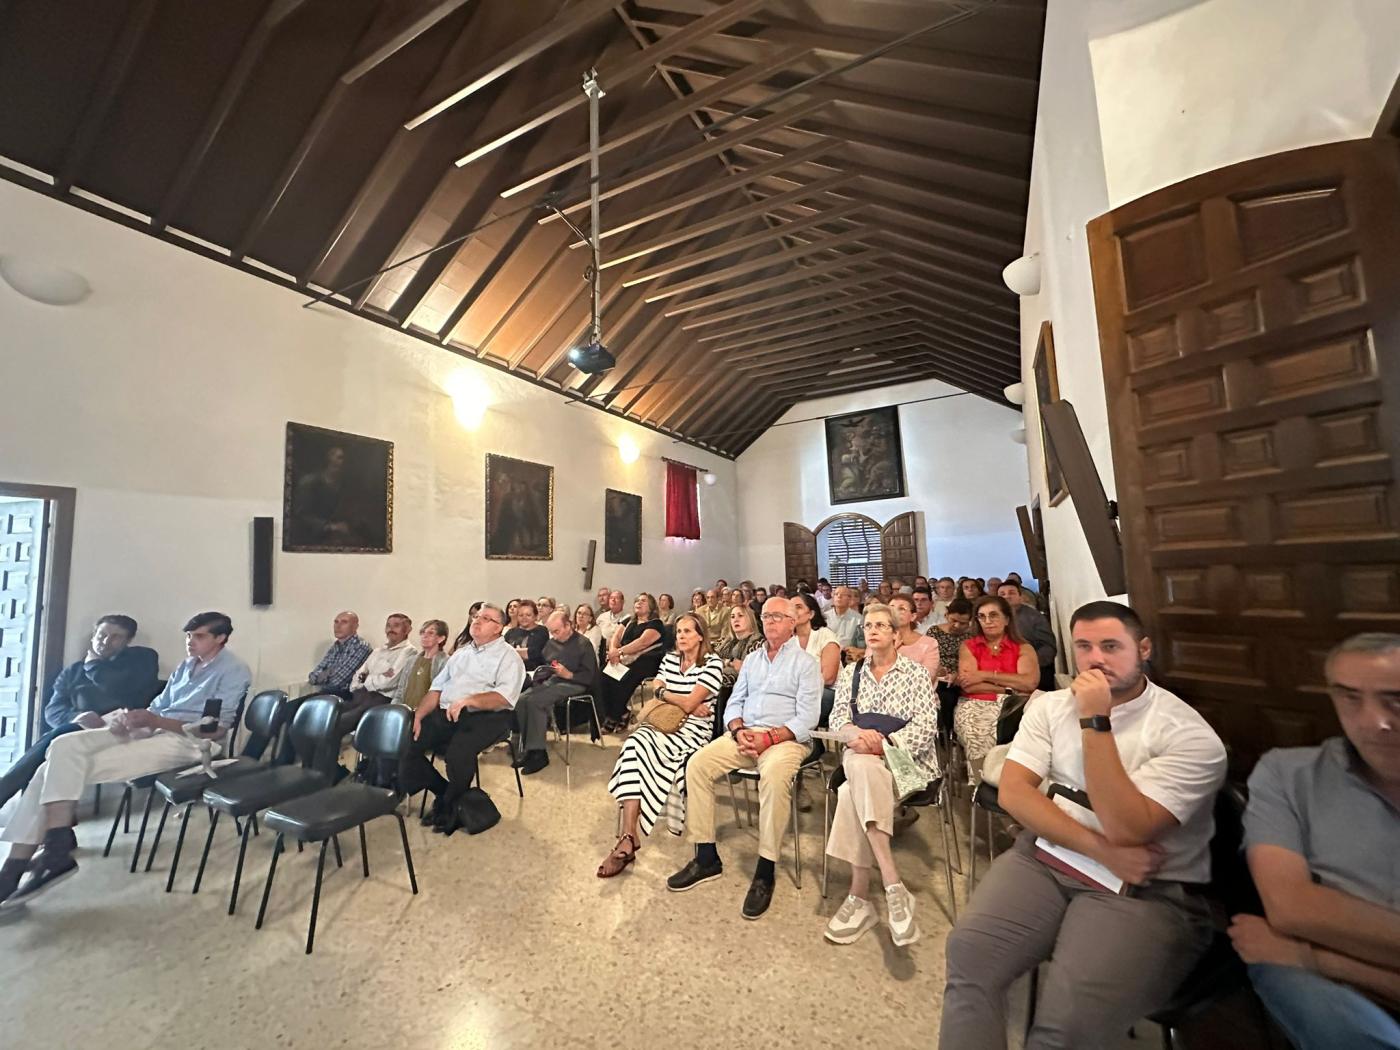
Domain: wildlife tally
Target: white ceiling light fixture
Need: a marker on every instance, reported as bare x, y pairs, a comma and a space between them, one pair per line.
43, 282
1015, 393
710, 478
1019, 435
1022, 275
627, 449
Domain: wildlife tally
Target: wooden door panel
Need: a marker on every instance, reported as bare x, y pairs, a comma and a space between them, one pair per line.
799, 555
899, 548
1251, 344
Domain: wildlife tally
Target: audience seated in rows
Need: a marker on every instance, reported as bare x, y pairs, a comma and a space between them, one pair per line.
925, 619
744, 637
815, 637
995, 661
666, 610
769, 720
638, 645
424, 665
1133, 772
971, 588
112, 675
1034, 627
844, 619
585, 622
884, 699
611, 615
650, 768
124, 743
715, 614
945, 589
568, 667
528, 637
955, 629
1322, 837
469, 707
380, 679
909, 640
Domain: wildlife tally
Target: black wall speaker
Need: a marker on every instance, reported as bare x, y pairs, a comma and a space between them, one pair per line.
588, 569
262, 561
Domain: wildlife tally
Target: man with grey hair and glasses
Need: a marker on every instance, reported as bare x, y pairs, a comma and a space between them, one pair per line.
1322, 836
470, 707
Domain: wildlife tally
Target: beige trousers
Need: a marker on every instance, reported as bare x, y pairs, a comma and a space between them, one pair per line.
866, 798
776, 768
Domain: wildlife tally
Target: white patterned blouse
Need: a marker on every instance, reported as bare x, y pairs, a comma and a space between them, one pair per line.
906, 691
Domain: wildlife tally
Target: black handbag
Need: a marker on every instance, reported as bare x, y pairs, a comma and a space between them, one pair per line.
882, 724
476, 812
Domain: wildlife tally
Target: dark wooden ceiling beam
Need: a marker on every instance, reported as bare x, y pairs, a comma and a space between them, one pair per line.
565, 24
742, 244
394, 38
837, 283
850, 43
610, 76
992, 327
918, 272
764, 206
813, 324
805, 365
237, 79
799, 313
116, 67
816, 343
706, 148
964, 323
729, 273
666, 115
801, 273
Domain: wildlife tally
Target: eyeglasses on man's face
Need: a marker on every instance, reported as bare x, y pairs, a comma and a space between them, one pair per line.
775, 617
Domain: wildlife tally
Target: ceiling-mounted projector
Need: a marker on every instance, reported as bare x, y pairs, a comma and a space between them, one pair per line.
591, 359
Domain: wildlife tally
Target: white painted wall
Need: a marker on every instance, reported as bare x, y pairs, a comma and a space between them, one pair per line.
1140, 94
163, 400
963, 474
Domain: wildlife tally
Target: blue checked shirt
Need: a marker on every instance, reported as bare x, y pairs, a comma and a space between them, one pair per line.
783, 692
340, 663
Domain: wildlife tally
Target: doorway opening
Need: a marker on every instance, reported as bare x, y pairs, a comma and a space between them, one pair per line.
36, 543
848, 551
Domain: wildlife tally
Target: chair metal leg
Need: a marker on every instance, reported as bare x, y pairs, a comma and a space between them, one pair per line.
1168, 1042
364, 851
117, 819
267, 886
155, 842
796, 845
204, 858
734, 801
97, 801
597, 721
407, 854
946, 803
971, 848
141, 835
254, 819
316, 896
948, 859
338, 862
568, 728
1034, 996
826, 823
422, 803
238, 871
179, 845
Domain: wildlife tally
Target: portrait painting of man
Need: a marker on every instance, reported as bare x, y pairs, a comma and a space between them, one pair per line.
519, 509
338, 492
622, 528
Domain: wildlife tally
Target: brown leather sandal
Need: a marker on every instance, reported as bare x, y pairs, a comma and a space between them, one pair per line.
616, 862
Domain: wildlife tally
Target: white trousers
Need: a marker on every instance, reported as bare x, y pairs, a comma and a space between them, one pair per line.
93, 756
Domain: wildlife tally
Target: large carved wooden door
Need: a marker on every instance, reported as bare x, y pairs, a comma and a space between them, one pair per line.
799, 555
1250, 328
899, 548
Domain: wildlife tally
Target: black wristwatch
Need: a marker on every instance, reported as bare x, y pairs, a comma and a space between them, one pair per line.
1098, 723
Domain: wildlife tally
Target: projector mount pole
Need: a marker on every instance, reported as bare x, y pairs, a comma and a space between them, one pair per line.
594, 92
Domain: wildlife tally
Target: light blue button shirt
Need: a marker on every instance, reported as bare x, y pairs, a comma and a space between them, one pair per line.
785, 691
191, 684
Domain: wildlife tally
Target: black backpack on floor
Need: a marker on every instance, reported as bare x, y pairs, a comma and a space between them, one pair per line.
476, 812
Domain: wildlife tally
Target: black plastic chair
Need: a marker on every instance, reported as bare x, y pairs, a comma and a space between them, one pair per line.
264, 718
316, 742
986, 798
383, 733
146, 783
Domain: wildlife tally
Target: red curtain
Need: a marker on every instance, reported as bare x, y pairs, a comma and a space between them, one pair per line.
682, 503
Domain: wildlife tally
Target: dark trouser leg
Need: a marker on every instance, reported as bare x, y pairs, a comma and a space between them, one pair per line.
475, 732
361, 700
417, 773
1047, 677
532, 712
616, 693
18, 776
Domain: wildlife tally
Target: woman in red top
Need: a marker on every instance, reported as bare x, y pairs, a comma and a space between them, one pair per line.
995, 661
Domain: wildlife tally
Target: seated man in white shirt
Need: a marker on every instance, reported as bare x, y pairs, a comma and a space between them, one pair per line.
470, 707
380, 678
1133, 773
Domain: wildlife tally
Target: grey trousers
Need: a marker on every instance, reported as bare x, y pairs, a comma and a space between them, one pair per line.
532, 711
1111, 959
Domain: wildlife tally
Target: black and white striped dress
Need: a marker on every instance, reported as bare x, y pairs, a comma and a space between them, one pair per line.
651, 760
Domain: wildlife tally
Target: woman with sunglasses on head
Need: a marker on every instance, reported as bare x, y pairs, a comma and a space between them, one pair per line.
995, 661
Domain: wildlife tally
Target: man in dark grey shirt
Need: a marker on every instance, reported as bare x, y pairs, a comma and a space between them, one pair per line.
1322, 833
568, 667
1034, 628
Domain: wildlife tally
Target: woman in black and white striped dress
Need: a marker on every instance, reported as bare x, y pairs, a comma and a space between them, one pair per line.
651, 760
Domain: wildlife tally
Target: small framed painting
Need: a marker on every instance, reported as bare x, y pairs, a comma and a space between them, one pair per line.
864, 458
519, 509
622, 528
337, 493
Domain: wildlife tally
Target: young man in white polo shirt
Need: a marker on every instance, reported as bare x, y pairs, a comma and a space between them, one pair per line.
1105, 883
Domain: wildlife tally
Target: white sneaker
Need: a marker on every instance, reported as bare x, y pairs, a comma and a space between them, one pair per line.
852, 919
900, 903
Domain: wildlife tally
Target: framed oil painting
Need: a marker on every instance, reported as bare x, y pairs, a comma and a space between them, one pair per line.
1047, 389
519, 509
622, 528
864, 459
338, 492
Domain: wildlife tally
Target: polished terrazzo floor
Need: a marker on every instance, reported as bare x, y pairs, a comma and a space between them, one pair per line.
512, 943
